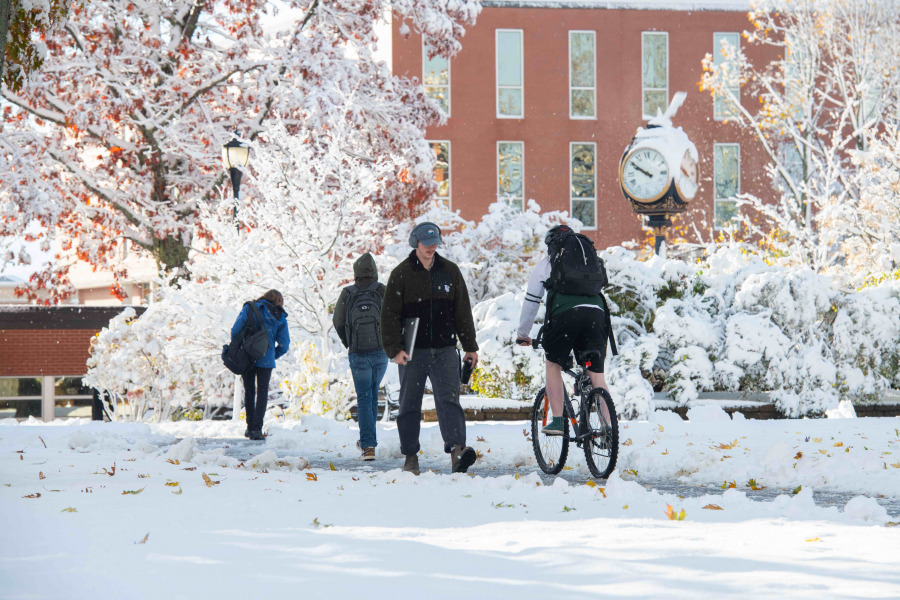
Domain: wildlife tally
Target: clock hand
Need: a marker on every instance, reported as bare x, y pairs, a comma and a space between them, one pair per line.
643, 171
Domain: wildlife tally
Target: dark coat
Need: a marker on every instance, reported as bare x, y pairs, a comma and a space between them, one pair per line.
438, 297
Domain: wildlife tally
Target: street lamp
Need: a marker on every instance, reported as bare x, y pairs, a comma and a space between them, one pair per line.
234, 155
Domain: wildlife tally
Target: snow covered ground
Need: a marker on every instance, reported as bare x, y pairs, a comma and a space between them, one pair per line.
193, 510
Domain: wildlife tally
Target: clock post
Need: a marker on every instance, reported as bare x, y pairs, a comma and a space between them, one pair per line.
658, 172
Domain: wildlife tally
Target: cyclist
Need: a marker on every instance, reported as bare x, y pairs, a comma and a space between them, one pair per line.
571, 323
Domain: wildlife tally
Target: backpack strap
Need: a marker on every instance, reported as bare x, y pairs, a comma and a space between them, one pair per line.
255, 310
609, 329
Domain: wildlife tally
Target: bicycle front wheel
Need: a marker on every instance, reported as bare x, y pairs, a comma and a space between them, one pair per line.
601, 447
549, 450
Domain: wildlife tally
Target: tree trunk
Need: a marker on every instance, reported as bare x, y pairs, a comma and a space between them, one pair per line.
170, 252
5, 11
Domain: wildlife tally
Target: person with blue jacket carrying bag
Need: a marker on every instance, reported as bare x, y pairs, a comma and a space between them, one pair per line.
256, 381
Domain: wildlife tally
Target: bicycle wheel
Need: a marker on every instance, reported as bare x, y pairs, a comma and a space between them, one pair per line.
601, 448
549, 450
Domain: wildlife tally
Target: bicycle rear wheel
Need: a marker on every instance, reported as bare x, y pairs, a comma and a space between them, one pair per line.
549, 450
601, 448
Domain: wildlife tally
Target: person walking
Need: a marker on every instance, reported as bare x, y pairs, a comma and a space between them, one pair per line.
256, 381
357, 320
429, 287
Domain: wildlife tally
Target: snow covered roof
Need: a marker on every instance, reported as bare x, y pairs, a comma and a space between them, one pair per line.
683, 5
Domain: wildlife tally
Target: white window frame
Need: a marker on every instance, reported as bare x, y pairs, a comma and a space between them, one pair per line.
717, 49
449, 76
573, 199
449, 198
644, 34
499, 193
572, 88
520, 87
716, 199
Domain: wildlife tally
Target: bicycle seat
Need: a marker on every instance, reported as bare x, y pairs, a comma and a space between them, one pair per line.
583, 356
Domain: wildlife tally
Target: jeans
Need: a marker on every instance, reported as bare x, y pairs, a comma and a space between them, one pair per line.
256, 395
441, 367
368, 369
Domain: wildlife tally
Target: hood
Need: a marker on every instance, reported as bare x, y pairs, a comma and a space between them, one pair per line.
364, 268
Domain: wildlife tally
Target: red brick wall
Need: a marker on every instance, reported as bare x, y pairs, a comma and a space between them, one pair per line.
32, 352
474, 129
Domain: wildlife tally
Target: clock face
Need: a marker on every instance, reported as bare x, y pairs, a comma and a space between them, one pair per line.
645, 175
687, 178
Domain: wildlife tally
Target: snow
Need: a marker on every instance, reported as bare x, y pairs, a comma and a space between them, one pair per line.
125, 511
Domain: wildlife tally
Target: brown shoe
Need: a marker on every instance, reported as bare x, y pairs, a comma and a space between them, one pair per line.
461, 458
412, 464
367, 454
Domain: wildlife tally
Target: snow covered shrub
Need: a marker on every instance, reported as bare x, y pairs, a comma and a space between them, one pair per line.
314, 384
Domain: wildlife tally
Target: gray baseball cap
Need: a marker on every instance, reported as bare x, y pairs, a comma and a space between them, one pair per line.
427, 233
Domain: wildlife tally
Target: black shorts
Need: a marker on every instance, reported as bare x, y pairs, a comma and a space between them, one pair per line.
579, 328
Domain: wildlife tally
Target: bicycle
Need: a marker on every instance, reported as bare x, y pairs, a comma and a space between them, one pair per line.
598, 436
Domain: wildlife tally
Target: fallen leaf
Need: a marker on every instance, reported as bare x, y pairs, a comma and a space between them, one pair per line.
173, 461
660, 427
815, 539
838, 444
42, 441
70, 509
798, 456
34, 495
725, 446
41, 475
209, 482
195, 468
590, 483
823, 451
133, 492
144, 541
675, 516
713, 507
727, 485
479, 439
627, 442
171, 483
331, 466
797, 490
311, 477
143, 475
568, 509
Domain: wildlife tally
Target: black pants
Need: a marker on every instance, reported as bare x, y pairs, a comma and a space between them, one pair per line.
441, 367
579, 328
256, 395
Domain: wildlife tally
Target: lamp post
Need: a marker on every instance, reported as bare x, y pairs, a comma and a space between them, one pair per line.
234, 155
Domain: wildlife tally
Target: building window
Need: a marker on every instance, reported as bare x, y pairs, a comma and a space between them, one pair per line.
510, 77
727, 175
510, 173
442, 171
725, 46
582, 70
20, 397
436, 77
71, 398
655, 72
583, 182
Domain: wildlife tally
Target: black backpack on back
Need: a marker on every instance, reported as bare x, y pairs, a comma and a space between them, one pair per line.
362, 325
575, 268
249, 345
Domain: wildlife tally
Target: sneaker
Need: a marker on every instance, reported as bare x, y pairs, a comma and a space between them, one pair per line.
554, 427
461, 458
412, 464
367, 454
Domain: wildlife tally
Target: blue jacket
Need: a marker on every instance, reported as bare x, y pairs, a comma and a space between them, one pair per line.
275, 320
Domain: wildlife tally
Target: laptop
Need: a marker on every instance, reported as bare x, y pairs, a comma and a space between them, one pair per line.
409, 331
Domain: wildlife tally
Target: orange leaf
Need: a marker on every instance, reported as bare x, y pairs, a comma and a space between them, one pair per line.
311, 477
209, 482
713, 507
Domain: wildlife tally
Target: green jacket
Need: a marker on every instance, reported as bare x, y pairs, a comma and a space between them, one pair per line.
365, 272
438, 297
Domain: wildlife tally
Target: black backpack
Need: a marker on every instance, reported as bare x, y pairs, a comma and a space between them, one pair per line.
362, 325
575, 268
249, 344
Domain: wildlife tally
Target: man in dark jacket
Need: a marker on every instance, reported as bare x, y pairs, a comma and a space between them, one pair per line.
359, 334
429, 287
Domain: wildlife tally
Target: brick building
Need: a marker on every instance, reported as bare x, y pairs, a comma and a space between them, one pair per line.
43, 355
545, 96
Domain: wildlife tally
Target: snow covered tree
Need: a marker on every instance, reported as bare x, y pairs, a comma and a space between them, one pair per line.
117, 137
833, 89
